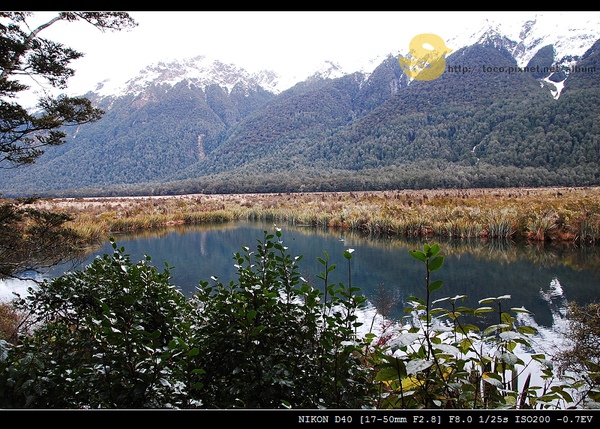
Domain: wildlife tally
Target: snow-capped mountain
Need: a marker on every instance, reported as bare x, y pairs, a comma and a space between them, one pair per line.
199, 70
522, 38
202, 71
329, 70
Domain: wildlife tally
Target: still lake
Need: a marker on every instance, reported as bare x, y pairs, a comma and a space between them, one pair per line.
541, 278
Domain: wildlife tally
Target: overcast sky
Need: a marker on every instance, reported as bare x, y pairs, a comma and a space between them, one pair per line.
290, 43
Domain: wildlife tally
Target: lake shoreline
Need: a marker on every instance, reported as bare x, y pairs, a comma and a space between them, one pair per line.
553, 214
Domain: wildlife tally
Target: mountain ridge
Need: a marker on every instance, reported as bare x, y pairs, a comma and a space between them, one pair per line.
522, 39
372, 129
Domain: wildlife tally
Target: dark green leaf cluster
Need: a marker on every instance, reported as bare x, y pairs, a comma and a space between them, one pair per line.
104, 337
272, 340
119, 335
581, 354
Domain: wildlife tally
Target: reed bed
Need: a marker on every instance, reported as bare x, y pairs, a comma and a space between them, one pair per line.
538, 215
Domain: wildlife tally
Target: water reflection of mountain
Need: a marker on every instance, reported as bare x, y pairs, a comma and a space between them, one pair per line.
547, 254
381, 266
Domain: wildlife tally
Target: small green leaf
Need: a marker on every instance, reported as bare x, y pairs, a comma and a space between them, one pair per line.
418, 365
503, 297
494, 328
492, 378
348, 254
417, 254
527, 330
436, 263
433, 250
257, 330
448, 349
390, 373
483, 310
415, 299
435, 285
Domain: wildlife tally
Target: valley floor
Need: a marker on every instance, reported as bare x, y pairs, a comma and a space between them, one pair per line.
540, 214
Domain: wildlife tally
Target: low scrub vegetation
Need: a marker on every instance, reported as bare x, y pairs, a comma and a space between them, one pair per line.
566, 215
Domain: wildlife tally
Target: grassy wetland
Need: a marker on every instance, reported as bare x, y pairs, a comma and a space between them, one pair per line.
538, 215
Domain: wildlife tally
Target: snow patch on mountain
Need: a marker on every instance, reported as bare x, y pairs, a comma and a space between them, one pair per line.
523, 38
200, 71
329, 70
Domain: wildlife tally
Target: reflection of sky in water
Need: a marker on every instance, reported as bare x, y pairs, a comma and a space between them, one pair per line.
7, 287
382, 268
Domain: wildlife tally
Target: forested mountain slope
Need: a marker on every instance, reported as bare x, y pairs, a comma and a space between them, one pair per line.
483, 122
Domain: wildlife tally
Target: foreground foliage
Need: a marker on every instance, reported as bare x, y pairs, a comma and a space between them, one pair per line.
273, 340
101, 339
119, 335
443, 360
582, 356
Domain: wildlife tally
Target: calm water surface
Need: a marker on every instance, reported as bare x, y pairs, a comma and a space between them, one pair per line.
541, 279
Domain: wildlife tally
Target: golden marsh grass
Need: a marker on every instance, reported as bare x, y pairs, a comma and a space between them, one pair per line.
569, 215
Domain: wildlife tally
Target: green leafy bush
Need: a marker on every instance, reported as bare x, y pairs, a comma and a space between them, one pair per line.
119, 335
271, 340
441, 361
104, 337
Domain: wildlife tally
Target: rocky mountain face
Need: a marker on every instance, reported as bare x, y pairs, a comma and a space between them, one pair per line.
513, 108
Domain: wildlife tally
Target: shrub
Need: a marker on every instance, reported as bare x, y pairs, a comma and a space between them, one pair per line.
441, 361
105, 337
581, 355
271, 340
